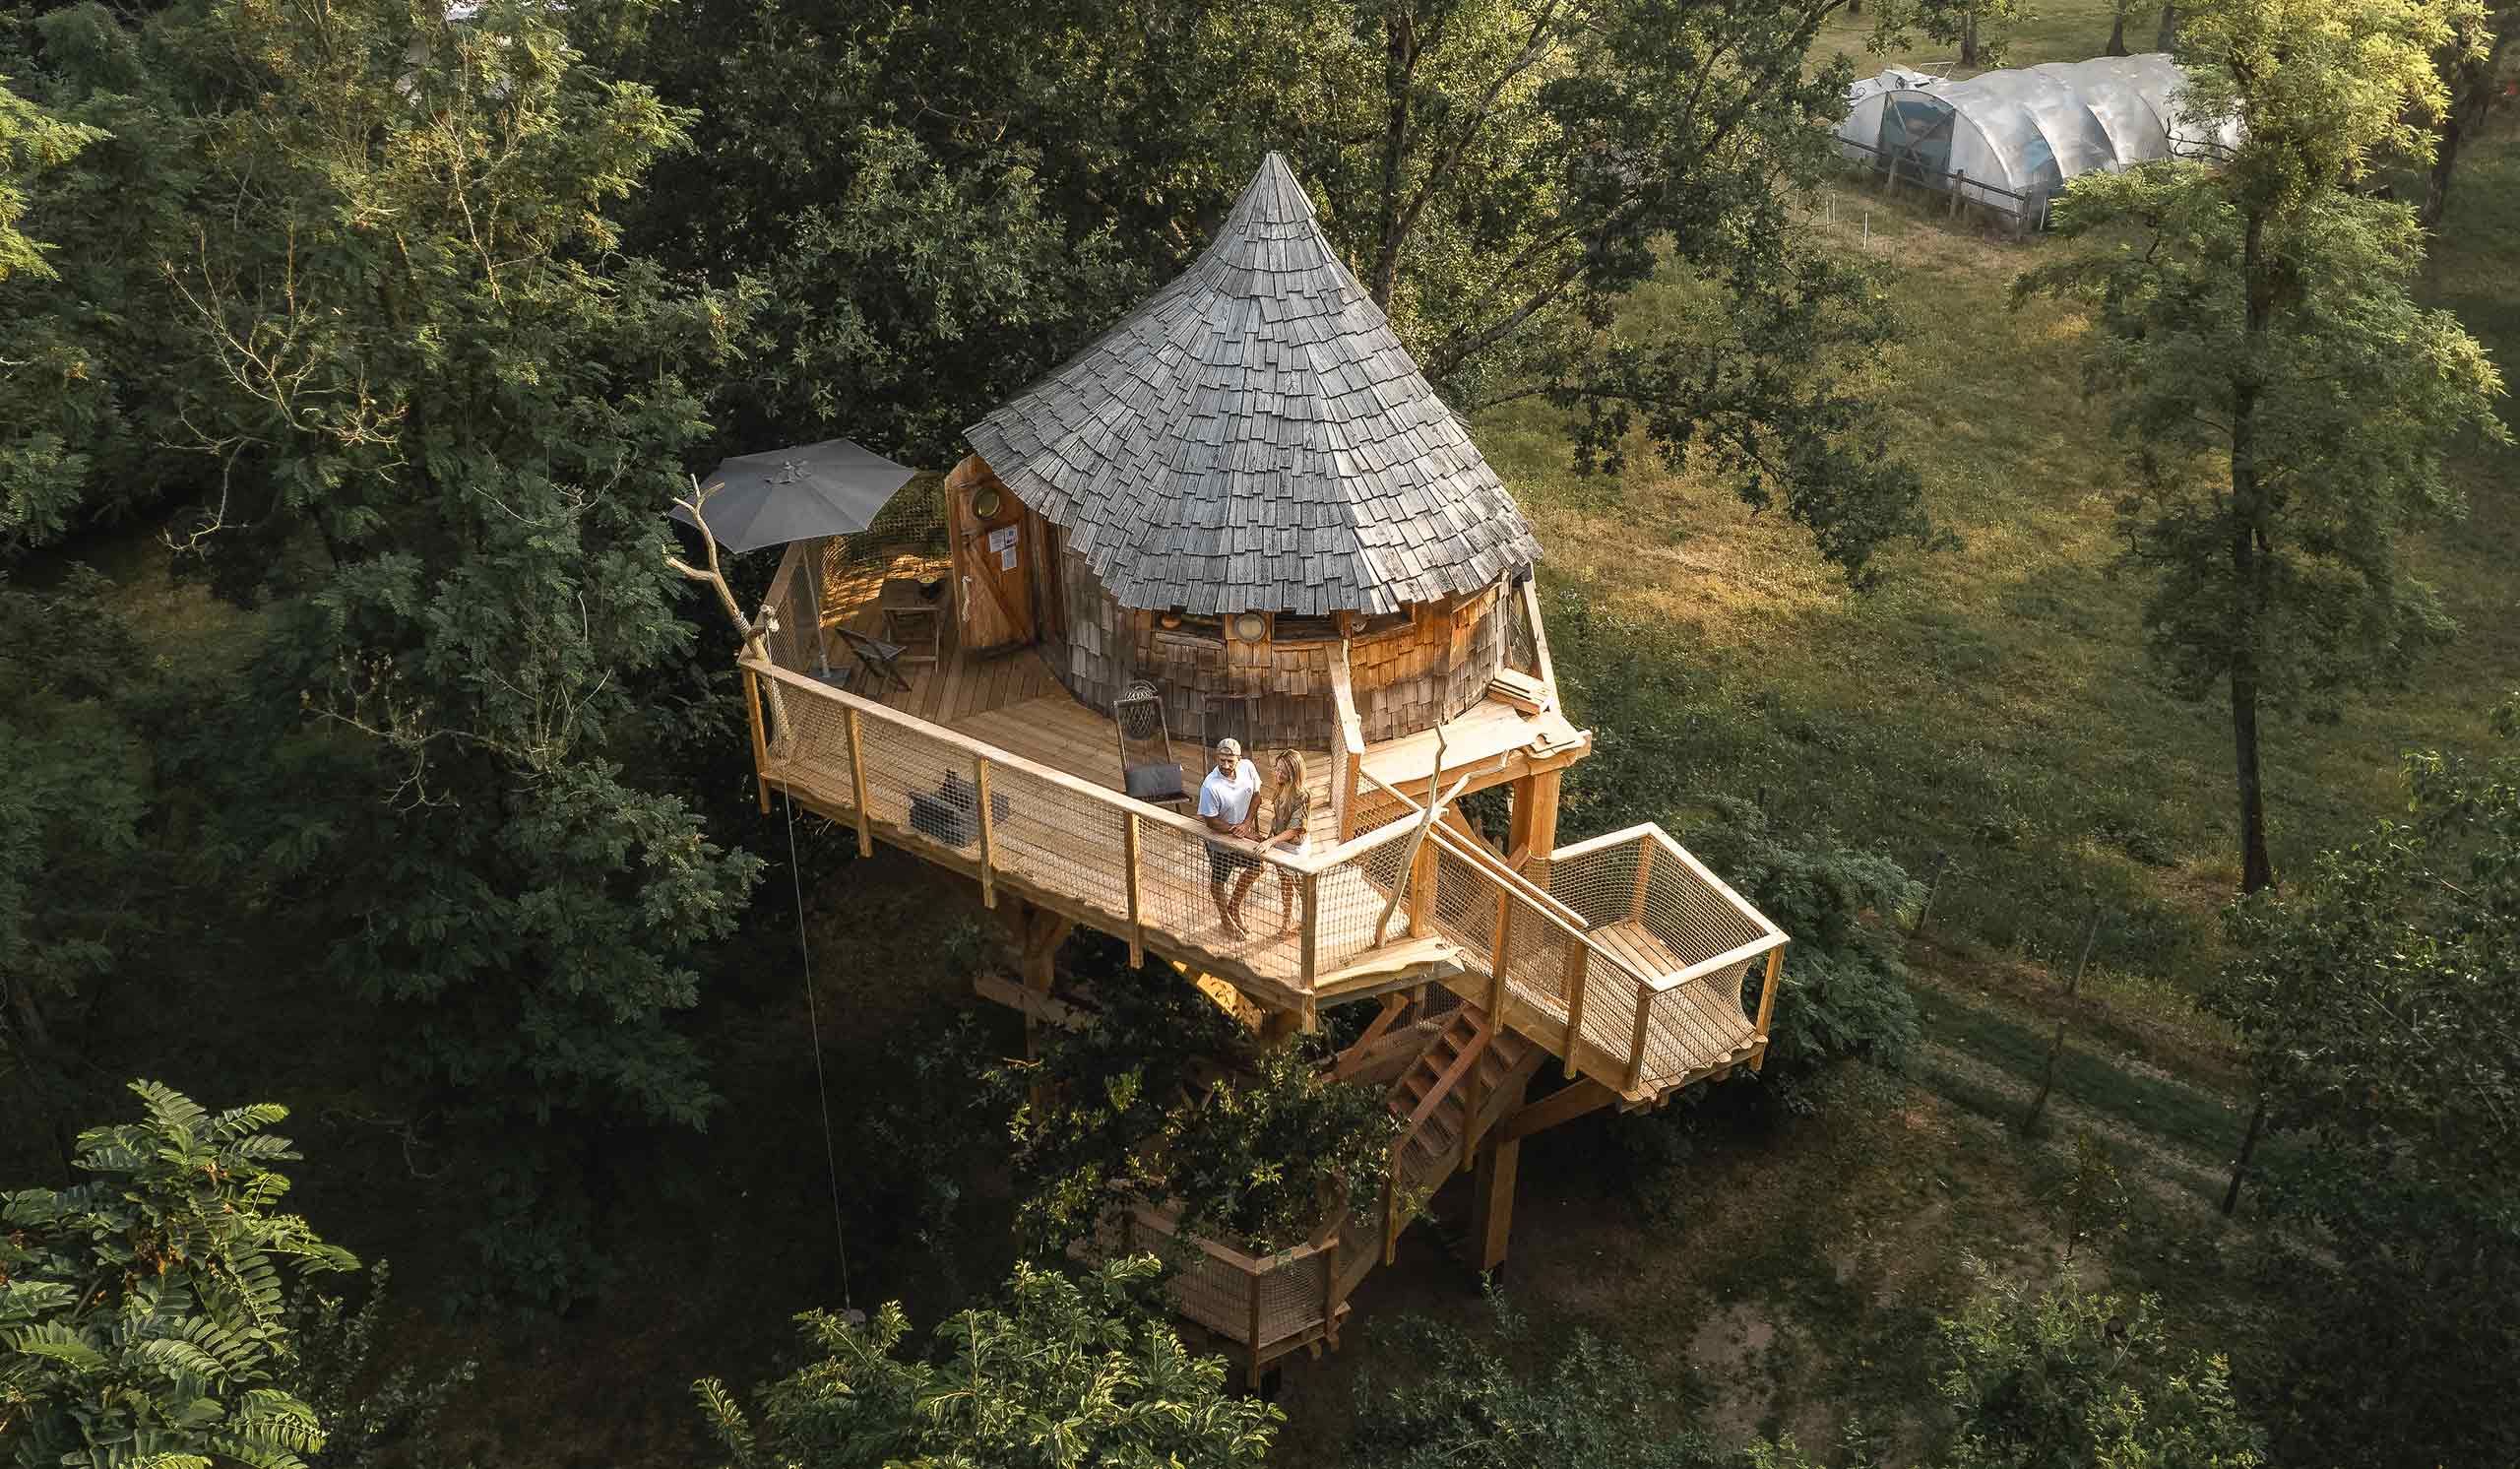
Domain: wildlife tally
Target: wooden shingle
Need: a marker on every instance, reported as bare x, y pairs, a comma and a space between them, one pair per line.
1256, 405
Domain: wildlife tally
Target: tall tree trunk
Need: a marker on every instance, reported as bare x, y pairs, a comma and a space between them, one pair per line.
2470, 99
1399, 75
2167, 37
1969, 39
2248, 570
2117, 35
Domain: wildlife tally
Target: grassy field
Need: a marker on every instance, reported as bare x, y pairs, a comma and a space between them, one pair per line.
1994, 704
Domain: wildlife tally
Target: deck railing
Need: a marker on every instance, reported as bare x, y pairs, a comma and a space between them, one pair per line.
1609, 954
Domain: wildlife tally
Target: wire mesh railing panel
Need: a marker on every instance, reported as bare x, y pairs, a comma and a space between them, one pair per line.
1599, 884
1057, 838
924, 785
1698, 1026
1294, 1296
816, 751
791, 641
1352, 897
1691, 919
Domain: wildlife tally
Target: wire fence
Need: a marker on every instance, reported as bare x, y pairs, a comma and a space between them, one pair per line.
2014, 210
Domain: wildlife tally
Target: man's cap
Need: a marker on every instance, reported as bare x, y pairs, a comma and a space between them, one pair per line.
1229, 746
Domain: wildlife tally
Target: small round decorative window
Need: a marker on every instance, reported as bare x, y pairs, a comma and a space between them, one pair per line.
1251, 627
986, 501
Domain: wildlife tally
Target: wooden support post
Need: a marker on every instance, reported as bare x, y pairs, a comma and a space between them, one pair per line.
1254, 1280
1278, 1025
1579, 957
989, 835
1636, 1041
1312, 939
760, 747
857, 781
1533, 829
1422, 893
1137, 914
1348, 769
1491, 1199
1767, 1003
1644, 876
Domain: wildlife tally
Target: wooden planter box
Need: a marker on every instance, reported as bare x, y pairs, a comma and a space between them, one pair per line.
1267, 1304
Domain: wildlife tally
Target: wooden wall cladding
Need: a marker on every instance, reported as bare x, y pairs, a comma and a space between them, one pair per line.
1406, 679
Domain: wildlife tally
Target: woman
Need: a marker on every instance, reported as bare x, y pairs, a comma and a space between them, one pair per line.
1289, 807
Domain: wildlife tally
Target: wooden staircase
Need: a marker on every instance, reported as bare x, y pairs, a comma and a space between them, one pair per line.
1470, 1074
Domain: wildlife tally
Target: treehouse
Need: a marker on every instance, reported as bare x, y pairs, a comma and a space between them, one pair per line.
1244, 512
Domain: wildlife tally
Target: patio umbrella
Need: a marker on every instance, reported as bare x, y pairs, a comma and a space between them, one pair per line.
806, 493
831, 489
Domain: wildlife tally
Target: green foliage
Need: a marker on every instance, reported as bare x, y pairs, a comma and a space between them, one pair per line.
144, 1315
1976, 30
2060, 1379
1463, 1400
2284, 405
2381, 1009
30, 141
1845, 990
1065, 1374
1161, 1095
351, 270
1497, 171
372, 1414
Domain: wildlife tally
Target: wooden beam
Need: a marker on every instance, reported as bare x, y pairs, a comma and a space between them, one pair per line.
760, 747
1032, 1004
1540, 635
1422, 893
1564, 1105
1349, 1060
1501, 955
1137, 903
857, 782
1538, 832
1767, 1003
989, 837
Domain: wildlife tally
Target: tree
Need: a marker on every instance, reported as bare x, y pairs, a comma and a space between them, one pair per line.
2472, 72
145, 1313
1066, 1374
2062, 1379
1978, 27
1499, 173
1463, 1400
2379, 1006
30, 140
32, 455
2285, 403
2119, 11
428, 416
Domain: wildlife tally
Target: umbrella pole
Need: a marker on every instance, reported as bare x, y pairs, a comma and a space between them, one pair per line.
814, 594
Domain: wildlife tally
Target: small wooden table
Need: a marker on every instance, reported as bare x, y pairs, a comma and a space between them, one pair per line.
914, 621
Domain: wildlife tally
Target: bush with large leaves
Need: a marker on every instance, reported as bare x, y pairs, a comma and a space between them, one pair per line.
1064, 1373
144, 1315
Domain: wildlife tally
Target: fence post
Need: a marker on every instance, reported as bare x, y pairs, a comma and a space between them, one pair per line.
1579, 964
2248, 1145
857, 780
1137, 923
1933, 885
1959, 190
2057, 1047
988, 834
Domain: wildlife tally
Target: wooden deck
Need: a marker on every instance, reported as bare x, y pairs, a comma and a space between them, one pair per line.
1013, 701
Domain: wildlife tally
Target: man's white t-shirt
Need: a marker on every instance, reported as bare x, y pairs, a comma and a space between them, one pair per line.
1230, 798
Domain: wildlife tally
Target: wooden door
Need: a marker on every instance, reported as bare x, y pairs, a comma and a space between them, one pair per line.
995, 550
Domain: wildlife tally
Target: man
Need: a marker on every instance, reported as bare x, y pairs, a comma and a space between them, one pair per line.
1225, 799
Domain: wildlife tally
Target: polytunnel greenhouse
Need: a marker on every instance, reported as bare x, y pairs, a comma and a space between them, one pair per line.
2009, 140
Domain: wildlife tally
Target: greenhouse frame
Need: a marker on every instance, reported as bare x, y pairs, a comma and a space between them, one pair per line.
2011, 139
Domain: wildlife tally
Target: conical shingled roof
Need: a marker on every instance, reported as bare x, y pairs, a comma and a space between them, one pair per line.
1254, 438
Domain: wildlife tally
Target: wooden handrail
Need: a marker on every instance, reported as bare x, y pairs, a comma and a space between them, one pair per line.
955, 739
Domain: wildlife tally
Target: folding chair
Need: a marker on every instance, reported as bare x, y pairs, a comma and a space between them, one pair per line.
1148, 770
879, 659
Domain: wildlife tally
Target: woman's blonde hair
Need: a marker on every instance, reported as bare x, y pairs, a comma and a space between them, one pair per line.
1288, 784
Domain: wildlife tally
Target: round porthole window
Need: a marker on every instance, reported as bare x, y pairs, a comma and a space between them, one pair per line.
986, 501
1251, 627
